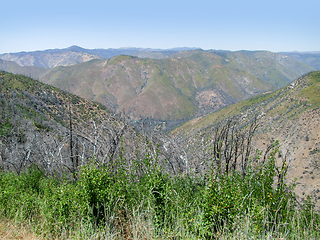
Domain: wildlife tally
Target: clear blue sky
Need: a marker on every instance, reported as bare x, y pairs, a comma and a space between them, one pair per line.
275, 25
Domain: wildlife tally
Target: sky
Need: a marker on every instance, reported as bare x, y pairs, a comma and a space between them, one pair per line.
273, 25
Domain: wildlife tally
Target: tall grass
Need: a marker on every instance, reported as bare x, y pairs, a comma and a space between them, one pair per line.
145, 202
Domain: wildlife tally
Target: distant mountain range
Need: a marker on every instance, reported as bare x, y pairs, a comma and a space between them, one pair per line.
178, 87
50, 58
72, 55
172, 84
75, 54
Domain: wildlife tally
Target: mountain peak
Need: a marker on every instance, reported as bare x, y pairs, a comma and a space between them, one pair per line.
75, 48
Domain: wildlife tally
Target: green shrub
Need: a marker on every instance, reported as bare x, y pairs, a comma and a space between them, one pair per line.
116, 198
229, 197
99, 190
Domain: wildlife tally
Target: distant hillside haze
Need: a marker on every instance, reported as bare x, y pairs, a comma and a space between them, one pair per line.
310, 58
173, 84
29, 71
50, 58
72, 55
179, 87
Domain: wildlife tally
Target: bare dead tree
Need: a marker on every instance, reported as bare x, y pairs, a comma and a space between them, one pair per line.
282, 171
223, 147
67, 146
72, 157
248, 145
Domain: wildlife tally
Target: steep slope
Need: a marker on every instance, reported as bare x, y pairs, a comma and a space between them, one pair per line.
59, 131
187, 83
290, 115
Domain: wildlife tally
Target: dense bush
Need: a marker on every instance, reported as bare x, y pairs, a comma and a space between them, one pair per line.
259, 194
142, 201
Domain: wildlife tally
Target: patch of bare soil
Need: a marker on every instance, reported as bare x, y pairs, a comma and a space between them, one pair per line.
11, 231
300, 141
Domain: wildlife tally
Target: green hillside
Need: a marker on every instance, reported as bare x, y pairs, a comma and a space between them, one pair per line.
290, 115
288, 102
175, 88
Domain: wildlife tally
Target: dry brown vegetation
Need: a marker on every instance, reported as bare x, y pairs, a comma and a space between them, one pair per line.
10, 230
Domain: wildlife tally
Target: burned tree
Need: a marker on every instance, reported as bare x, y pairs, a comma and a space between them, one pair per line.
59, 132
224, 147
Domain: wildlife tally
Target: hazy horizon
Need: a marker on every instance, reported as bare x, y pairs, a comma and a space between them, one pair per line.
277, 26
160, 49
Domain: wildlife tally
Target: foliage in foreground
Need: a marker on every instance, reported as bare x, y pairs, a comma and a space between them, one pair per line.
146, 202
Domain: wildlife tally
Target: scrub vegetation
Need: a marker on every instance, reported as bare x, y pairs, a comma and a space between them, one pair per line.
143, 201
109, 182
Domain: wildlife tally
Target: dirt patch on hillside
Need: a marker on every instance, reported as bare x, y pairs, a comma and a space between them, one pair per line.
210, 99
300, 141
